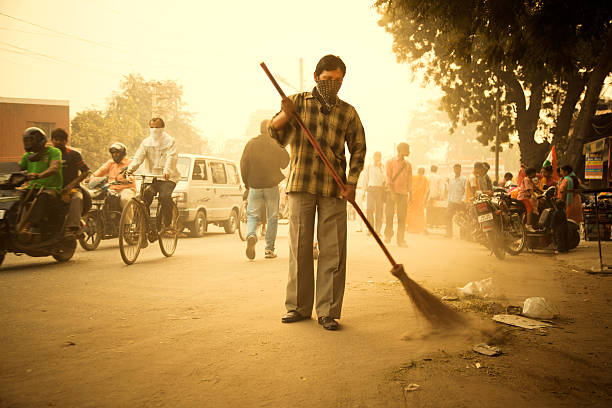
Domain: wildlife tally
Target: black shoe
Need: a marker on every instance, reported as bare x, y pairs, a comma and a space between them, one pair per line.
328, 323
293, 316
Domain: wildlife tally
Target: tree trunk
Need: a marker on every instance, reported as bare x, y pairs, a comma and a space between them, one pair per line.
583, 124
532, 153
561, 139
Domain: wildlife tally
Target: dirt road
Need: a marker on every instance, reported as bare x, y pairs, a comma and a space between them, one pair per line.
202, 329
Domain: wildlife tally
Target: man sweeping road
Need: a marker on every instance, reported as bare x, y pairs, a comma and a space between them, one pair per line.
334, 123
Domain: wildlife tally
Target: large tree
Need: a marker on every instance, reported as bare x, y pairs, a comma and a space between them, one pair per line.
127, 115
521, 65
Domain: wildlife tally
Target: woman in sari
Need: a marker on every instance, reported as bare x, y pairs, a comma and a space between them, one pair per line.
415, 220
573, 200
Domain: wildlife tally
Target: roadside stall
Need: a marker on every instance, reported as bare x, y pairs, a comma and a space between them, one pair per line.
597, 209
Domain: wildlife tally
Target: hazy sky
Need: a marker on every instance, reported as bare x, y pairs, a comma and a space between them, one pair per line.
213, 48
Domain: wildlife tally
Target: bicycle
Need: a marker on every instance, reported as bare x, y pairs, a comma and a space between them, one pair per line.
137, 226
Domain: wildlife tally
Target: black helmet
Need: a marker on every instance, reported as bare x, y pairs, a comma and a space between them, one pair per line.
118, 147
34, 139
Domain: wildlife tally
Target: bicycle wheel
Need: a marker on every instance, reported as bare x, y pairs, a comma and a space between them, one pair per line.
168, 236
242, 221
132, 231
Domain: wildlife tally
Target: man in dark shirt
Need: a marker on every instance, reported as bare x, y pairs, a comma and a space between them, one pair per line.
260, 166
72, 165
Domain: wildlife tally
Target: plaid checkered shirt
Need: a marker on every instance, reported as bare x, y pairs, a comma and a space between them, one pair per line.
332, 131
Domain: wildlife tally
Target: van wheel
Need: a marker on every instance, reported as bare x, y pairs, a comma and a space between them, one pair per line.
231, 223
200, 225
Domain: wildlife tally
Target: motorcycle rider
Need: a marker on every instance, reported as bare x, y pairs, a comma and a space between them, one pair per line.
158, 152
44, 166
72, 164
113, 168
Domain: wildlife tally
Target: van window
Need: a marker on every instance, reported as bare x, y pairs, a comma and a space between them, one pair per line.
183, 165
232, 175
199, 170
218, 173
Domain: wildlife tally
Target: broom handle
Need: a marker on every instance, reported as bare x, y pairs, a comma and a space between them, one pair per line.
333, 172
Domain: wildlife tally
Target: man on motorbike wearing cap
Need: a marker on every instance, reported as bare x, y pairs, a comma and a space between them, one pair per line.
114, 168
44, 166
158, 153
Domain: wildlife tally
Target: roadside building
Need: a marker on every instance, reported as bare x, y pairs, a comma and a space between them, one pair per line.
17, 114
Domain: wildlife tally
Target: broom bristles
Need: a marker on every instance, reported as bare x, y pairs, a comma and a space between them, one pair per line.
435, 312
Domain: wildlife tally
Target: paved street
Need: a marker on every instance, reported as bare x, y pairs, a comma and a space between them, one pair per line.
202, 329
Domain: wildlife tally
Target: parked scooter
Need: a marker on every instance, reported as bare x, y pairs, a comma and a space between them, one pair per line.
15, 205
498, 223
102, 221
542, 236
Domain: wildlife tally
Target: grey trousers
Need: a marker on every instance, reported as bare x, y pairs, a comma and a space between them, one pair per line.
331, 267
75, 209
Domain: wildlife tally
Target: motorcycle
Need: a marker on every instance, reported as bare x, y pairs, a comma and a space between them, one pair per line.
102, 221
499, 223
15, 206
542, 235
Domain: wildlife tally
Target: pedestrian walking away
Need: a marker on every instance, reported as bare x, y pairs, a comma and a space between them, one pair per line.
260, 166
374, 184
311, 188
399, 189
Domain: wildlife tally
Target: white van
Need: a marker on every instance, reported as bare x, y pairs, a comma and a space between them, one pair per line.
209, 192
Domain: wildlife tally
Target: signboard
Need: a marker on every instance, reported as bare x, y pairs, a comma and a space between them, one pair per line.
593, 169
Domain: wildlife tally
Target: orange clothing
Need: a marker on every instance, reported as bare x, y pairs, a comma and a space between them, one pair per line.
546, 182
113, 169
415, 220
403, 182
572, 201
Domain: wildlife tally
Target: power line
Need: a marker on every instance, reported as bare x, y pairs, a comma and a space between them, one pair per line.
32, 53
60, 32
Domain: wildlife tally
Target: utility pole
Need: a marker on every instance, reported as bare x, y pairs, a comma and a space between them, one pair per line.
301, 75
497, 137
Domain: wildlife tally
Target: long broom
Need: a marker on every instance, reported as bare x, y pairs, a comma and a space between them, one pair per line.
436, 312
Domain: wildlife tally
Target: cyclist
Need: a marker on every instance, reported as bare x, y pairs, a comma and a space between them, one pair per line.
158, 152
113, 168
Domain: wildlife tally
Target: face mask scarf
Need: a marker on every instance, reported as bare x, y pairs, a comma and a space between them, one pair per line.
326, 92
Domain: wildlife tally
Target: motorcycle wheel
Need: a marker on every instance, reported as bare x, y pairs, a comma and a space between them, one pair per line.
67, 249
92, 233
574, 238
518, 233
495, 245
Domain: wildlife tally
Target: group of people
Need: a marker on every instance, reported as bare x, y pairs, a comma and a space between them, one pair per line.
57, 171
393, 192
